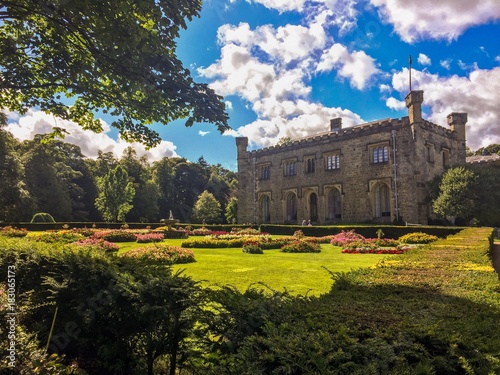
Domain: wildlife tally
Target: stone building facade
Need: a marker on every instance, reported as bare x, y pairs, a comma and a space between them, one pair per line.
374, 172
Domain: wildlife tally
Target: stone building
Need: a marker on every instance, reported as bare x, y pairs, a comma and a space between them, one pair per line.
374, 172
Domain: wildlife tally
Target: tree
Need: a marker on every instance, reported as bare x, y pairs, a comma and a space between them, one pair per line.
457, 197
146, 192
189, 182
207, 208
117, 56
13, 195
46, 186
232, 210
116, 193
488, 194
163, 177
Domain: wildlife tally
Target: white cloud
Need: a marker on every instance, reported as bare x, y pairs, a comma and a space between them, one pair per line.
357, 66
413, 21
395, 104
497, 59
283, 5
339, 13
203, 133
311, 118
271, 69
445, 63
37, 122
385, 88
229, 105
478, 94
423, 59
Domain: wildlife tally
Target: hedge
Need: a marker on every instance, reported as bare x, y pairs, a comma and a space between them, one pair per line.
104, 225
367, 231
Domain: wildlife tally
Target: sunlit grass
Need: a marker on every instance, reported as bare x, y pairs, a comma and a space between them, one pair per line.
297, 273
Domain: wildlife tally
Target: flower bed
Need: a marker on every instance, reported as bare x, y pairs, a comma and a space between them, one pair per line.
365, 250
300, 246
201, 232
162, 254
383, 242
344, 238
418, 238
62, 236
211, 243
150, 237
13, 232
264, 237
97, 243
119, 235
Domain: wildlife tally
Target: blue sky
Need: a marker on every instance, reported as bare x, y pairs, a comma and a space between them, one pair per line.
285, 67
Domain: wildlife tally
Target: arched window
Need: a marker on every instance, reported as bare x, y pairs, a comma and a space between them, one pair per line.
291, 207
265, 211
334, 205
382, 202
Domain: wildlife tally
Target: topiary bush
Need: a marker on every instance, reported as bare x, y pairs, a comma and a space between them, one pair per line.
252, 249
42, 217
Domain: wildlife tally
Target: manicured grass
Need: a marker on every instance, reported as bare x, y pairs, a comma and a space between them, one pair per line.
298, 273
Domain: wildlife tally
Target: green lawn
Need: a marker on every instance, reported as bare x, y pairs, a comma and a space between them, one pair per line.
298, 273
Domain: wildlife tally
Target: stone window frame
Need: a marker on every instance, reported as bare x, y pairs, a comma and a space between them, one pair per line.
332, 160
430, 150
289, 167
265, 171
379, 153
445, 156
310, 164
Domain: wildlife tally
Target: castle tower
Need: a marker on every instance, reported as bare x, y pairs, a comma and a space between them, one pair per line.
414, 102
246, 182
457, 123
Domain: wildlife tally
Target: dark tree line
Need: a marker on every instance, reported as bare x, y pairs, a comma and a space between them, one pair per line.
47, 175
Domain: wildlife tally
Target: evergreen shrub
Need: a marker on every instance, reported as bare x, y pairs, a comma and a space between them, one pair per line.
252, 249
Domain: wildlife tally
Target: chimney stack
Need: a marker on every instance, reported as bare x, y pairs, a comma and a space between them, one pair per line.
335, 124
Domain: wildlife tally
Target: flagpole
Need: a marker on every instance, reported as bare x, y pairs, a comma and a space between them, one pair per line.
410, 72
